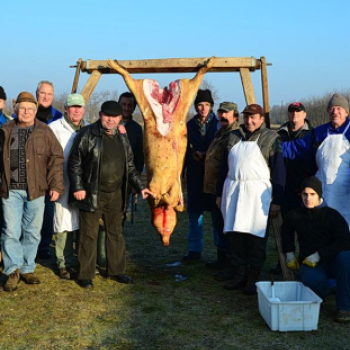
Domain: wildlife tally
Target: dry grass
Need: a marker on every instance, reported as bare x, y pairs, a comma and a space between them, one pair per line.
156, 312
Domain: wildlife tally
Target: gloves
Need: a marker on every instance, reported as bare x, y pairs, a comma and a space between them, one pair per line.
312, 260
292, 261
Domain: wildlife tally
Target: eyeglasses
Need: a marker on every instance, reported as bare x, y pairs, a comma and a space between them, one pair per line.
24, 110
45, 94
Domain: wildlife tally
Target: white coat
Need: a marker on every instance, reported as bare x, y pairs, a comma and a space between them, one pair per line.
333, 162
66, 218
247, 192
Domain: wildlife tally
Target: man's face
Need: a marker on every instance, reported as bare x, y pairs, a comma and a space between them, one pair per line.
26, 113
253, 122
2, 103
337, 116
226, 118
110, 123
203, 109
75, 113
128, 106
310, 198
45, 95
297, 117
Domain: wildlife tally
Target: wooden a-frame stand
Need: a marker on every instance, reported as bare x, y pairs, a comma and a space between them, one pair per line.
243, 65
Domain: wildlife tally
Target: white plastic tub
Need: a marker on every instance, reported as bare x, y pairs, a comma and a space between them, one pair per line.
297, 310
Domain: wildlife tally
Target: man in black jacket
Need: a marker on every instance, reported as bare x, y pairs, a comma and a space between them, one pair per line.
100, 166
324, 243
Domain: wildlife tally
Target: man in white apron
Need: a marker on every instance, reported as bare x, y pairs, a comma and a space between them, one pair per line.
255, 175
66, 218
329, 146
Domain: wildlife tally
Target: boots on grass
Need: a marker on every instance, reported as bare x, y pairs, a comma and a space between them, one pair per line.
239, 279
253, 277
12, 281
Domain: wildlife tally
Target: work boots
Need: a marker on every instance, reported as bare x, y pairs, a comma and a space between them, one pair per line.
12, 281
253, 277
239, 279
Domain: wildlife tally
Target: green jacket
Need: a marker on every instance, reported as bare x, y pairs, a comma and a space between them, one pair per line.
214, 157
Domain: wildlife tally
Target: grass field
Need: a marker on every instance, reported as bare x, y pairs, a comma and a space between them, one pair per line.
170, 306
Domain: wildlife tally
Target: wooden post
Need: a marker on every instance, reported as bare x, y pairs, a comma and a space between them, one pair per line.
90, 85
247, 86
265, 93
276, 224
76, 77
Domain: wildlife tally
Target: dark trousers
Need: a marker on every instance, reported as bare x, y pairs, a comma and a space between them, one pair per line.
338, 268
221, 241
110, 206
247, 249
47, 228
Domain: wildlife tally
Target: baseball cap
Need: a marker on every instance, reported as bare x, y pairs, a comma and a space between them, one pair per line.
75, 100
296, 106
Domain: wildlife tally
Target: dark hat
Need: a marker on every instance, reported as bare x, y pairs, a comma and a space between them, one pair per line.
2, 94
254, 109
228, 107
339, 100
314, 183
204, 96
296, 106
26, 97
111, 108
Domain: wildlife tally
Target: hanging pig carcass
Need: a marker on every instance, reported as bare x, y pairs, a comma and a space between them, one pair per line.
165, 140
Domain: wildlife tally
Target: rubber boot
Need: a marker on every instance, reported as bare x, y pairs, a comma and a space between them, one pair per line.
253, 277
239, 279
101, 248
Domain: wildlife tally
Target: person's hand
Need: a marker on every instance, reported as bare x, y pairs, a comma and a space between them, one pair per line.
54, 195
292, 261
121, 129
274, 210
79, 195
312, 260
218, 202
146, 192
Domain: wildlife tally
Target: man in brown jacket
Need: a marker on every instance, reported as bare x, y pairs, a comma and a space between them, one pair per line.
31, 164
228, 117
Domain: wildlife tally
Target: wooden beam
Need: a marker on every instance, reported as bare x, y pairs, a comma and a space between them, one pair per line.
90, 85
76, 77
265, 90
247, 86
170, 65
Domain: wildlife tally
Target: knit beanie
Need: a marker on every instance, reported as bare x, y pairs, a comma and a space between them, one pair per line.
2, 94
314, 183
339, 100
204, 96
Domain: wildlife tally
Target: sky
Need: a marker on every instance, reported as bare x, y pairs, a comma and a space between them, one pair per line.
306, 41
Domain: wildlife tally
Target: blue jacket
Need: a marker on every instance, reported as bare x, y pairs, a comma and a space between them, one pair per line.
3, 119
55, 113
306, 147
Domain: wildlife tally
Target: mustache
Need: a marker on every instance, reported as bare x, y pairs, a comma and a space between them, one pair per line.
223, 120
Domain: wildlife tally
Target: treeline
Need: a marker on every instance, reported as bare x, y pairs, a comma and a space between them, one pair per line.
316, 109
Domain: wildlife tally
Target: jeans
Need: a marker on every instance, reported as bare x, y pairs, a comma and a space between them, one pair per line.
20, 234
64, 249
47, 227
316, 278
195, 232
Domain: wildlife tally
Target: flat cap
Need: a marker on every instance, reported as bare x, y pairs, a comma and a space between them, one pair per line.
26, 97
254, 109
111, 108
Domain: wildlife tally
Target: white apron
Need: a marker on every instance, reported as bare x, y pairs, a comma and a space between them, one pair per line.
333, 163
66, 218
247, 190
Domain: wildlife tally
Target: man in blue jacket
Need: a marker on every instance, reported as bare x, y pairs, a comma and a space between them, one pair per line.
329, 146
